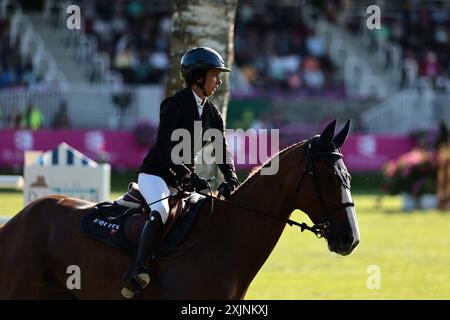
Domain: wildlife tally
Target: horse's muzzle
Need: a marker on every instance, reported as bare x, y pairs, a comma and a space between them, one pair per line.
343, 248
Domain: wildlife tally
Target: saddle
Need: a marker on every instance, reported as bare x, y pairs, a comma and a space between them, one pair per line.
119, 223
133, 199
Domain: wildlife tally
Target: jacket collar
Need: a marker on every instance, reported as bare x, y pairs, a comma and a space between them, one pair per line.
198, 100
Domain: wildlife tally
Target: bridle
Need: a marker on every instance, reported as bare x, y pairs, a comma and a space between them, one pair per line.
320, 229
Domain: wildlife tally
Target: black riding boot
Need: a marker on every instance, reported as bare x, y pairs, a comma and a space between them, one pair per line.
137, 277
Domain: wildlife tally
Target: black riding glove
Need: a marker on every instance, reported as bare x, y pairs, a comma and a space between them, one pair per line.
226, 187
196, 183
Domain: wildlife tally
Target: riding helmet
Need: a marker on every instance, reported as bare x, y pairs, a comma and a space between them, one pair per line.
197, 61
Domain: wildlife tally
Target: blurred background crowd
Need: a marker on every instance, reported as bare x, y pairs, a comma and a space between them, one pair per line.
135, 36
306, 51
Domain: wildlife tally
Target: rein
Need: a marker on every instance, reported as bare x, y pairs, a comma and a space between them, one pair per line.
321, 230
303, 226
317, 229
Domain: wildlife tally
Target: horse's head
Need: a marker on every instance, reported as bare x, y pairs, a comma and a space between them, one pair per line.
323, 191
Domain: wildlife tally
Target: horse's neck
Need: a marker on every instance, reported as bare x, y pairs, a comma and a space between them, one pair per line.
251, 237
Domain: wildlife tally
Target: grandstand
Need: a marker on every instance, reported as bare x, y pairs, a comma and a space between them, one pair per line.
408, 58
297, 63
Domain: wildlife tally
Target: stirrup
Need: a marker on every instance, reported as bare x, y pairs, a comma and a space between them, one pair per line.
130, 288
143, 279
135, 285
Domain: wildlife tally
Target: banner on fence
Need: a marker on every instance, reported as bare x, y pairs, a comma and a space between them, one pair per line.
122, 149
371, 152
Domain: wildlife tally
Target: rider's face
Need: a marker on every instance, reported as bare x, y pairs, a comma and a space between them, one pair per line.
212, 81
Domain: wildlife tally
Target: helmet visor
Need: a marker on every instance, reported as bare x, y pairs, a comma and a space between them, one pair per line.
223, 69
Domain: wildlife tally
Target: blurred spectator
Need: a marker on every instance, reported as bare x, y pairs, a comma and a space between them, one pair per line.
315, 45
61, 119
159, 63
295, 81
263, 122
125, 61
410, 70
312, 73
241, 80
29, 78
32, 118
282, 66
135, 8
14, 119
430, 67
9, 77
141, 69
119, 24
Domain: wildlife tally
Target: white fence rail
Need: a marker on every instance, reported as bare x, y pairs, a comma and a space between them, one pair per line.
11, 182
407, 111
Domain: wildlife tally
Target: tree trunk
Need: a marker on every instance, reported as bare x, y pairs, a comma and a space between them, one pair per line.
203, 23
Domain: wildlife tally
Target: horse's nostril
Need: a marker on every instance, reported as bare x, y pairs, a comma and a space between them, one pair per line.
355, 244
348, 240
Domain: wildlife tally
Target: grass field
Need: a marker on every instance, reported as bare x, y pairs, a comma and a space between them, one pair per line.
411, 250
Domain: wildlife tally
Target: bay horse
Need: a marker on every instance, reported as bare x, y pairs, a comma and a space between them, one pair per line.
40, 244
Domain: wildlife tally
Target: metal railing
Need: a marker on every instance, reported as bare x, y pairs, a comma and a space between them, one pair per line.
346, 51
102, 106
407, 111
17, 100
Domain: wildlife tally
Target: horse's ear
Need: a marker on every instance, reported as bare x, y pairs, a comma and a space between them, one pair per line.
327, 134
342, 135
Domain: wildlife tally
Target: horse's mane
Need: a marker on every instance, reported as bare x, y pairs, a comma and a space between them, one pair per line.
256, 170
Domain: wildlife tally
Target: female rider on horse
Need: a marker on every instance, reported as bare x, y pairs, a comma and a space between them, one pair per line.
200, 69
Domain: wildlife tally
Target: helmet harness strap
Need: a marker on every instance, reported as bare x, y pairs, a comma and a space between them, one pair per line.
201, 85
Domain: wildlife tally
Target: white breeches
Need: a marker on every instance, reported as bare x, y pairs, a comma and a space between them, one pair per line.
152, 189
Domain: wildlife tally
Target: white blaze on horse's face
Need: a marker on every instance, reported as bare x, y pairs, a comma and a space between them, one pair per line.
346, 240
335, 206
346, 247
344, 228
347, 197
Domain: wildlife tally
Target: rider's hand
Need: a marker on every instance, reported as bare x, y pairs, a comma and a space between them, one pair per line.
196, 183
226, 187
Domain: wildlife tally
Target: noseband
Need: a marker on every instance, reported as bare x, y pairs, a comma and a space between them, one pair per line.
321, 229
